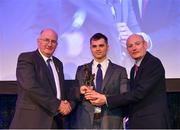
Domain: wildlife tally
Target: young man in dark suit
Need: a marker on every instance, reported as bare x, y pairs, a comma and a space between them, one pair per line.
147, 98
109, 79
41, 102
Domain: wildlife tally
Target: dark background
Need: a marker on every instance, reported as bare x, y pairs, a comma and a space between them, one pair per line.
8, 96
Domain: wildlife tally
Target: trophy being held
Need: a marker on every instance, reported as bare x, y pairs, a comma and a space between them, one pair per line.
88, 76
88, 81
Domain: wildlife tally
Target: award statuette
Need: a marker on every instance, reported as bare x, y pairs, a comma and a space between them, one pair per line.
89, 81
88, 76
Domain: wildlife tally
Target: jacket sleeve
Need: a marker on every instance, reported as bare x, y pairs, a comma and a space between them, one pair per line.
149, 80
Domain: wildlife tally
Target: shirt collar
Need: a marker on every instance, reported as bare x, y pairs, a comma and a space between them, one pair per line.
104, 63
138, 62
44, 57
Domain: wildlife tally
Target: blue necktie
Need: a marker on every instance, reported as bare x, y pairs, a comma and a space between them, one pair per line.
50, 71
99, 78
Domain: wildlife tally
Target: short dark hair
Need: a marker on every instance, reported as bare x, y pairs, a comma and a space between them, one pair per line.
98, 36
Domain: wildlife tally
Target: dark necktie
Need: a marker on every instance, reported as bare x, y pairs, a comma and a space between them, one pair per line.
99, 78
50, 71
136, 70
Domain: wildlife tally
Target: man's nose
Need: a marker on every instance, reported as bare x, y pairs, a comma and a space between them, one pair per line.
50, 43
98, 48
133, 47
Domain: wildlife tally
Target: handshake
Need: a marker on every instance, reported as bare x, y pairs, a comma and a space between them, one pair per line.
94, 97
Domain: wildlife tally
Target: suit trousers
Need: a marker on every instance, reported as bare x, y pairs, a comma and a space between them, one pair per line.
58, 122
97, 121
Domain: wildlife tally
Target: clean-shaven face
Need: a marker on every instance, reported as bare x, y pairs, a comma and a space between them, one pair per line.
136, 46
99, 49
47, 42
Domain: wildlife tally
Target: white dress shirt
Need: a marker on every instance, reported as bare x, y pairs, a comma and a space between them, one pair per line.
55, 74
104, 66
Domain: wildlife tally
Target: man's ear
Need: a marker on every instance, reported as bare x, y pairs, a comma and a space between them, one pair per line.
145, 45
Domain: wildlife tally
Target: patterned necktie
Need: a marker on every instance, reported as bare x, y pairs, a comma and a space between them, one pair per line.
99, 78
50, 71
136, 70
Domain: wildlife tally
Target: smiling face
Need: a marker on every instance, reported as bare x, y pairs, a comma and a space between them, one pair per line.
47, 42
99, 49
136, 46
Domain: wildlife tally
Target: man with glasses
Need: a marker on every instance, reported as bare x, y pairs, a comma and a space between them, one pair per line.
41, 102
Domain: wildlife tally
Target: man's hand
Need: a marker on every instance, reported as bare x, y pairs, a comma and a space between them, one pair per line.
84, 89
95, 98
64, 107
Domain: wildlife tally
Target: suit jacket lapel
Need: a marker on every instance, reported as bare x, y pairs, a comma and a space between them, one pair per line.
90, 65
108, 74
60, 76
42, 63
132, 72
58, 71
145, 59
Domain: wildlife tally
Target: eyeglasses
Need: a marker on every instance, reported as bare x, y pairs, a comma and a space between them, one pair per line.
47, 41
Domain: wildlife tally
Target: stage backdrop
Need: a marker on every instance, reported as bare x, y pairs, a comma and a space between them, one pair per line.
77, 20
8, 96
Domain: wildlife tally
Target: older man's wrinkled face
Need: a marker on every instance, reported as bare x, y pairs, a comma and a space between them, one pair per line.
47, 42
136, 46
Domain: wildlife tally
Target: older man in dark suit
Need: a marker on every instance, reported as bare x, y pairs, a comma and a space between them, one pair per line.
110, 79
147, 97
41, 99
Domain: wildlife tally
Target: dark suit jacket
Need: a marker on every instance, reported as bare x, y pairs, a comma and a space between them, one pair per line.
147, 96
37, 103
115, 82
